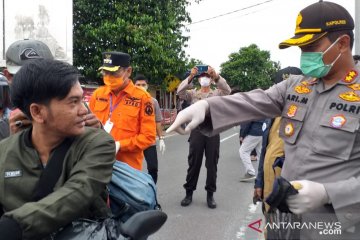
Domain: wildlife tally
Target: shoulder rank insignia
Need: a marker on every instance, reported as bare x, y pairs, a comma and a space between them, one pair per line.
338, 121
289, 129
292, 110
350, 96
355, 86
302, 89
352, 74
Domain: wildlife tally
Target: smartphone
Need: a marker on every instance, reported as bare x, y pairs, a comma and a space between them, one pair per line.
202, 68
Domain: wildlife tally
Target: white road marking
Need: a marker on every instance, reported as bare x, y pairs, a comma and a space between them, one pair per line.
224, 139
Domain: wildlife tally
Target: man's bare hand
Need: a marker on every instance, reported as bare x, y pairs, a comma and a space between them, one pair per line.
258, 195
18, 121
92, 121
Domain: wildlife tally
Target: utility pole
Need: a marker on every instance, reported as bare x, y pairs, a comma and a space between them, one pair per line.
357, 27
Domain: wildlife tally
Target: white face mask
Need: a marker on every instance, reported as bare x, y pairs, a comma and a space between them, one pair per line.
205, 81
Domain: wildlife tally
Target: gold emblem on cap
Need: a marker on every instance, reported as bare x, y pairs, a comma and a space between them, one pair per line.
302, 89
108, 59
352, 74
297, 185
289, 129
292, 110
350, 96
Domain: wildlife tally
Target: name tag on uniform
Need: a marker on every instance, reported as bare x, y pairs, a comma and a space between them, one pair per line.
12, 174
108, 126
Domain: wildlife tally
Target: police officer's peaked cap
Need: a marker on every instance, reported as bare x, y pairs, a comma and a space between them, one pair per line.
112, 61
316, 20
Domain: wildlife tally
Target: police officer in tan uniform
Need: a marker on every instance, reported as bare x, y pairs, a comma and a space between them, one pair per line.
198, 143
320, 121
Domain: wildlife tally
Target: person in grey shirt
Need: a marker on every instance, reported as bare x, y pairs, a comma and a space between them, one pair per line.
320, 121
199, 143
150, 153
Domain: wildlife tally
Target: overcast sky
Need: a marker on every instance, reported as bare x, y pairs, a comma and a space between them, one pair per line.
266, 25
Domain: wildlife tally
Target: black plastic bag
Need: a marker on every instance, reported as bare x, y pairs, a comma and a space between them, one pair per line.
85, 229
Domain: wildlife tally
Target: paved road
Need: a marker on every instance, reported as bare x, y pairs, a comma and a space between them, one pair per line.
230, 220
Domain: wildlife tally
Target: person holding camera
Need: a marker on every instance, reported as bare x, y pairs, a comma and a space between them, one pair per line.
198, 143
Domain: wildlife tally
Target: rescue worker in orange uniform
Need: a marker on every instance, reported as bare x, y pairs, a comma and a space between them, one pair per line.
126, 111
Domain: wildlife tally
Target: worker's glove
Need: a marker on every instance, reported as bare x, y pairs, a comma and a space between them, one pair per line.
117, 146
162, 146
311, 196
193, 115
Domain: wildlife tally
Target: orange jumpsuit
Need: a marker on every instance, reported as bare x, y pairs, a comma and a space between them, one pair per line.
132, 115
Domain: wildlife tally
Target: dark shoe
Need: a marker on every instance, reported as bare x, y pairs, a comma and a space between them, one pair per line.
187, 200
210, 200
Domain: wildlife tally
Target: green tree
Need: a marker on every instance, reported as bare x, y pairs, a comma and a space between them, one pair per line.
150, 31
249, 68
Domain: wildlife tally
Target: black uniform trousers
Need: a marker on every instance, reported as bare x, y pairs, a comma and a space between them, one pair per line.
151, 159
198, 144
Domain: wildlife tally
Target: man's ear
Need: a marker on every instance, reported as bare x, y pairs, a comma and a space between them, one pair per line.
38, 112
129, 71
344, 43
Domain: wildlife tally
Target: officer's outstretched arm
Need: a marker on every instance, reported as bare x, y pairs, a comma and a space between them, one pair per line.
193, 115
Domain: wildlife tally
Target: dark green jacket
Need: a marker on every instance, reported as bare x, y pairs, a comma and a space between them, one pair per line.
79, 192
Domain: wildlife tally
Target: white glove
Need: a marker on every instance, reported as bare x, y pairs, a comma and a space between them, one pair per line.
193, 115
117, 146
162, 146
311, 196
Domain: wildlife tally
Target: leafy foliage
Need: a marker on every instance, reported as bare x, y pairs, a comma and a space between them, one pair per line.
150, 31
249, 68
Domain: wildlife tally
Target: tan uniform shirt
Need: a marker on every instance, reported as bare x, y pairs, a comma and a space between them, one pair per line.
187, 92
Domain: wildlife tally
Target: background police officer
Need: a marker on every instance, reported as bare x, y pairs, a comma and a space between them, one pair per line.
199, 143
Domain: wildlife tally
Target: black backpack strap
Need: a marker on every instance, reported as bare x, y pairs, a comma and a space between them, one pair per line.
52, 171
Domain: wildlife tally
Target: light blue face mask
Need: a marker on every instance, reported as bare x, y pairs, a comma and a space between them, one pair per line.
312, 64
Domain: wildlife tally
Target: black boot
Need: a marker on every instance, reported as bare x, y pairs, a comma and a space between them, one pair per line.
188, 199
210, 200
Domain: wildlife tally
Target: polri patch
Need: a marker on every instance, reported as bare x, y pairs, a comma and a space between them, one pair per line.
289, 129
337, 121
12, 174
292, 110
149, 110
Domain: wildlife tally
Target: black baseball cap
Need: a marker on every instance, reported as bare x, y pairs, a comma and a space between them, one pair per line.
316, 20
141, 77
21, 51
112, 61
